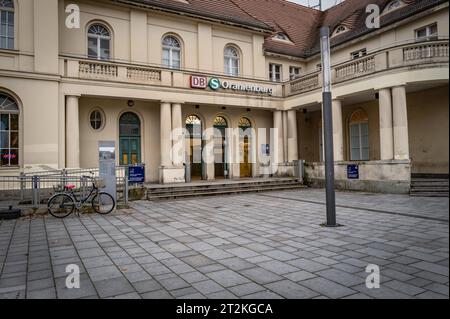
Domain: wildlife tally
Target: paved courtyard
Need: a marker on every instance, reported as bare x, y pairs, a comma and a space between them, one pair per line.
267, 245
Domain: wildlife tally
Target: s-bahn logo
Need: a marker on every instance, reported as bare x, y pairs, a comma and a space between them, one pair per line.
215, 84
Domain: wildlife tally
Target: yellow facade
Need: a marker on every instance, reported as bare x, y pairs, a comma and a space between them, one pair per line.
57, 86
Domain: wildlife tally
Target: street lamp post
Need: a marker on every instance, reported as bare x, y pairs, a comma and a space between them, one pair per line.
328, 126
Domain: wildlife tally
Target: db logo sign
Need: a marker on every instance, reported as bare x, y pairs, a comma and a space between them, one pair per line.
199, 82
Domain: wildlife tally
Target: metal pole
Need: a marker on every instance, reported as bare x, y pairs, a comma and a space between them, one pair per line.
328, 126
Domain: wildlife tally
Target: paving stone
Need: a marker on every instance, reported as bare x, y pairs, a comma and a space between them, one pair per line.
207, 287
290, 290
327, 288
260, 275
227, 278
113, 287
146, 286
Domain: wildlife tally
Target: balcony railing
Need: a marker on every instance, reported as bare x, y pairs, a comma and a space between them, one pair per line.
387, 59
357, 68
425, 51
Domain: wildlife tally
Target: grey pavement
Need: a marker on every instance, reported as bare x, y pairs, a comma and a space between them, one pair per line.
253, 246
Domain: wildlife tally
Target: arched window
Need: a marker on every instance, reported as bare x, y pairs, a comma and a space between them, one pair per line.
171, 52
339, 30
99, 42
245, 123
219, 121
6, 24
194, 147
130, 139
231, 61
9, 131
359, 136
393, 5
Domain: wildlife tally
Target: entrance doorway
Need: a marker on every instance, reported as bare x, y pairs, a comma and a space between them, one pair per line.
129, 139
194, 146
220, 148
246, 167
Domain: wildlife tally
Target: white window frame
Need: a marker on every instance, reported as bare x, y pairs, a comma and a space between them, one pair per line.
358, 54
360, 136
273, 73
98, 38
7, 35
428, 34
229, 59
171, 49
292, 72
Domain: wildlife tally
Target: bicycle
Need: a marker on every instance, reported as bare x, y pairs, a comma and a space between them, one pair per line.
64, 203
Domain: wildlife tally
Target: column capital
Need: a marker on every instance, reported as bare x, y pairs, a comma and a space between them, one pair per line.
76, 95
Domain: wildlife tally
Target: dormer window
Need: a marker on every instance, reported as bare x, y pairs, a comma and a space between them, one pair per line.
282, 37
339, 30
393, 5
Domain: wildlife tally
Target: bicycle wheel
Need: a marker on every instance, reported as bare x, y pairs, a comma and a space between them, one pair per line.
103, 203
61, 205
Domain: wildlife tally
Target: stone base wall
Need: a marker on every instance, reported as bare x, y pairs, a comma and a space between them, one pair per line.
393, 177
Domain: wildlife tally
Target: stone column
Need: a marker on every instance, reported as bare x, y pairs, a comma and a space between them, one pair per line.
400, 120
285, 137
72, 132
178, 150
278, 151
292, 136
338, 131
166, 129
386, 130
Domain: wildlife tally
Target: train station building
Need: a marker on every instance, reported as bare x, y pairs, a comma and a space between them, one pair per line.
230, 88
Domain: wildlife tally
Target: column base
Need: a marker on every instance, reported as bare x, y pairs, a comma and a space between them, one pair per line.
172, 175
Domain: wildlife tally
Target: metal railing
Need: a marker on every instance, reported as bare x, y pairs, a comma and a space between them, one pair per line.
35, 191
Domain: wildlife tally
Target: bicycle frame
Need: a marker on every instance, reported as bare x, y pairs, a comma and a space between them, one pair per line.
82, 201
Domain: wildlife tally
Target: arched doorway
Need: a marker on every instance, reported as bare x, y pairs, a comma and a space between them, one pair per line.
194, 145
129, 139
246, 168
220, 148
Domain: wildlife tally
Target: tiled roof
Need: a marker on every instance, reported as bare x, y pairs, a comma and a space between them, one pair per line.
299, 23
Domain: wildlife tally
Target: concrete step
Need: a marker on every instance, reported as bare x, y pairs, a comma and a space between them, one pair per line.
228, 191
218, 187
429, 186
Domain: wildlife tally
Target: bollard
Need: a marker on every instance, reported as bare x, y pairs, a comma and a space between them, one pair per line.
126, 191
35, 182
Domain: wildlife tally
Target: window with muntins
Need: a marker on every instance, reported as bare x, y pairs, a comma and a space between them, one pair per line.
99, 42
294, 72
359, 136
171, 52
429, 32
9, 131
6, 24
275, 72
231, 61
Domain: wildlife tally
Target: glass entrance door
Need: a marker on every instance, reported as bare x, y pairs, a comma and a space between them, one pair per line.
194, 146
220, 165
246, 166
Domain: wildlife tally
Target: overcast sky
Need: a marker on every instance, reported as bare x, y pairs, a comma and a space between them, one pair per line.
326, 3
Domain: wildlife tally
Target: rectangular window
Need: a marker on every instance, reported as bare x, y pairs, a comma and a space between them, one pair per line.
275, 72
6, 29
358, 54
359, 142
429, 32
294, 72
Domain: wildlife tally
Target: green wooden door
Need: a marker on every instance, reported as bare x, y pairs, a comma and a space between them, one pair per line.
130, 139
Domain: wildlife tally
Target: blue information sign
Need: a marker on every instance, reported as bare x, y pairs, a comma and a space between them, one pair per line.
353, 171
136, 174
